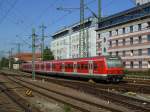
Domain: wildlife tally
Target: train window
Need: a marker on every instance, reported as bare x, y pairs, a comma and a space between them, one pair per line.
66, 66
48, 65
53, 65
71, 66
95, 66
86, 66
82, 66
42, 66
60, 66
78, 66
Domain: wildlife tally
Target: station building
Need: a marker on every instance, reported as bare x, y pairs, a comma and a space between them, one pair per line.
65, 43
127, 34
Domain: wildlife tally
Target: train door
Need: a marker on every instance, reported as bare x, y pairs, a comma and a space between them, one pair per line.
75, 66
90, 66
63, 67
51, 67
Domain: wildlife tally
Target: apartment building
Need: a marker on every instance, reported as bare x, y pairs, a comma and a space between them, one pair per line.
127, 34
140, 2
65, 43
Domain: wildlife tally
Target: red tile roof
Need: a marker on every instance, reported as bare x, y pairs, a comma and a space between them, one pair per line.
28, 56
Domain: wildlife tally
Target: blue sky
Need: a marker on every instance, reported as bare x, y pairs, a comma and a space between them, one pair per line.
18, 17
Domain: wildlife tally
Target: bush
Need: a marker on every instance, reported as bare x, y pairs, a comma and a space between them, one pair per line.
139, 73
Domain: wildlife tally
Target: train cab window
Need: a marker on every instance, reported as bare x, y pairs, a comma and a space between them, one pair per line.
114, 62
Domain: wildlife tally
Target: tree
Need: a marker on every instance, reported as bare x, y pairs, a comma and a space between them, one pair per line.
47, 54
4, 62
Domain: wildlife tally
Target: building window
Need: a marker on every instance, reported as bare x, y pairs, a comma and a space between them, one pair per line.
110, 33
148, 24
148, 64
117, 53
131, 29
99, 45
124, 30
116, 31
104, 50
131, 41
116, 42
148, 51
131, 53
140, 39
123, 53
104, 40
110, 43
110, 53
139, 27
124, 64
99, 36
140, 64
148, 38
131, 64
139, 52
124, 42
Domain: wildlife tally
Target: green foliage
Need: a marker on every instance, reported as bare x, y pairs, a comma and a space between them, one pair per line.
67, 108
4, 62
47, 54
138, 73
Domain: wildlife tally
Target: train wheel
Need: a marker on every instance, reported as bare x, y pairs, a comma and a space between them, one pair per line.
108, 81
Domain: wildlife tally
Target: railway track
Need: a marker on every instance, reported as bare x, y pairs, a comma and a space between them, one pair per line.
127, 85
137, 81
74, 100
106, 94
96, 89
20, 102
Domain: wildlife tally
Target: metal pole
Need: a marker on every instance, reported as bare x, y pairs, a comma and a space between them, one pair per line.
19, 56
33, 54
82, 35
42, 39
99, 10
10, 58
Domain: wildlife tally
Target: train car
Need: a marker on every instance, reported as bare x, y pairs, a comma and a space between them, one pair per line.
106, 68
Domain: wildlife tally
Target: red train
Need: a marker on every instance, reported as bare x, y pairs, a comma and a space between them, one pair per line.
106, 68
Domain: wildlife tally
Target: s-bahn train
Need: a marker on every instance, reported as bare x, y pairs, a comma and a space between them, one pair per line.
106, 68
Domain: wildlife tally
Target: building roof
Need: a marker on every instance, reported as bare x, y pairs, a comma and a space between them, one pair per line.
123, 17
27, 57
74, 27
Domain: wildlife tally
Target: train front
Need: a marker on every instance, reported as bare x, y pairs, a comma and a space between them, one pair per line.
115, 69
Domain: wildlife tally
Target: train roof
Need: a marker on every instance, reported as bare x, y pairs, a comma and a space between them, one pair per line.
92, 58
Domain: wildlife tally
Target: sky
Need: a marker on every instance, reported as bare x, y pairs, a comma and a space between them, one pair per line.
19, 17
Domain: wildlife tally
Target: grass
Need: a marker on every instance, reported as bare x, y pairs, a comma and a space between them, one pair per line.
67, 108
